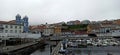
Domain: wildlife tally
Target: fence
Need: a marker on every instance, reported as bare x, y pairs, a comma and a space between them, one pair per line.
19, 35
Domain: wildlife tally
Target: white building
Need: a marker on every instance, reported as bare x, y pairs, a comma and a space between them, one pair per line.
76, 22
48, 31
70, 23
115, 32
85, 22
101, 30
11, 28
112, 33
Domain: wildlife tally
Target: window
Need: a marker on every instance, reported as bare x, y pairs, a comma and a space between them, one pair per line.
1, 31
6, 26
11, 26
113, 31
15, 26
11, 31
20, 27
107, 31
20, 31
1, 25
15, 31
24, 24
6, 31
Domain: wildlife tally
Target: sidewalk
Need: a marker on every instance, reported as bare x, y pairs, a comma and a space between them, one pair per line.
11, 48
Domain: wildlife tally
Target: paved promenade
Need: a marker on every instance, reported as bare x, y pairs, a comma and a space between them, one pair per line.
56, 49
12, 48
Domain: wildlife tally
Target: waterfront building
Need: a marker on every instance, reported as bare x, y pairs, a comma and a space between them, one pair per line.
57, 30
115, 32
95, 22
91, 27
9, 27
37, 28
117, 21
9, 30
85, 22
107, 22
104, 30
67, 32
48, 31
76, 22
60, 23
101, 28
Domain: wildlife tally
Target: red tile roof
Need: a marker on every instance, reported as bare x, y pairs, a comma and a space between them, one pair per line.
8, 22
37, 27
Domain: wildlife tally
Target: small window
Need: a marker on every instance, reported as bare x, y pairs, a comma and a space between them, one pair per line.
113, 31
6, 26
0, 24
11, 31
20, 27
11, 26
15, 26
6, 31
20, 31
15, 31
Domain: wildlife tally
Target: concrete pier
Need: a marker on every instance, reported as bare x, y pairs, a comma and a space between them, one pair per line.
56, 49
23, 49
13, 48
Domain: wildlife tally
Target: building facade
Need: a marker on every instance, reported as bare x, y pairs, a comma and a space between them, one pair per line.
115, 32
57, 30
76, 22
37, 28
48, 31
23, 21
11, 28
117, 21
85, 22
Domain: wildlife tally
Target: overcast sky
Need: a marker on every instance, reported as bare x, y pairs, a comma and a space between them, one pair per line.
53, 11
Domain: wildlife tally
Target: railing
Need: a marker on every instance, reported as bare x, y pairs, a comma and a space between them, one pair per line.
12, 48
19, 35
56, 49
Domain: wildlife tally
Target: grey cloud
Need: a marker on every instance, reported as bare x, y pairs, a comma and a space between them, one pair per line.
42, 11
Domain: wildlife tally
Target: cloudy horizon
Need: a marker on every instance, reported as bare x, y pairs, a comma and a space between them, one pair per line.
53, 11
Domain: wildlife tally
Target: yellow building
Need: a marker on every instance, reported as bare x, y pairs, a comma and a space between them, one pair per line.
57, 30
91, 27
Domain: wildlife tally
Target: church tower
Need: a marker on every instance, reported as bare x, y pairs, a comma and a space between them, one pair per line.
18, 19
26, 24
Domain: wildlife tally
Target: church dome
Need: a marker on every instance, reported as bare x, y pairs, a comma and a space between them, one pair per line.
26, 17
18, 16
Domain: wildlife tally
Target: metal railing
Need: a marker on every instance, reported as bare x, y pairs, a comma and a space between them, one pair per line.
19, 35
56, 49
